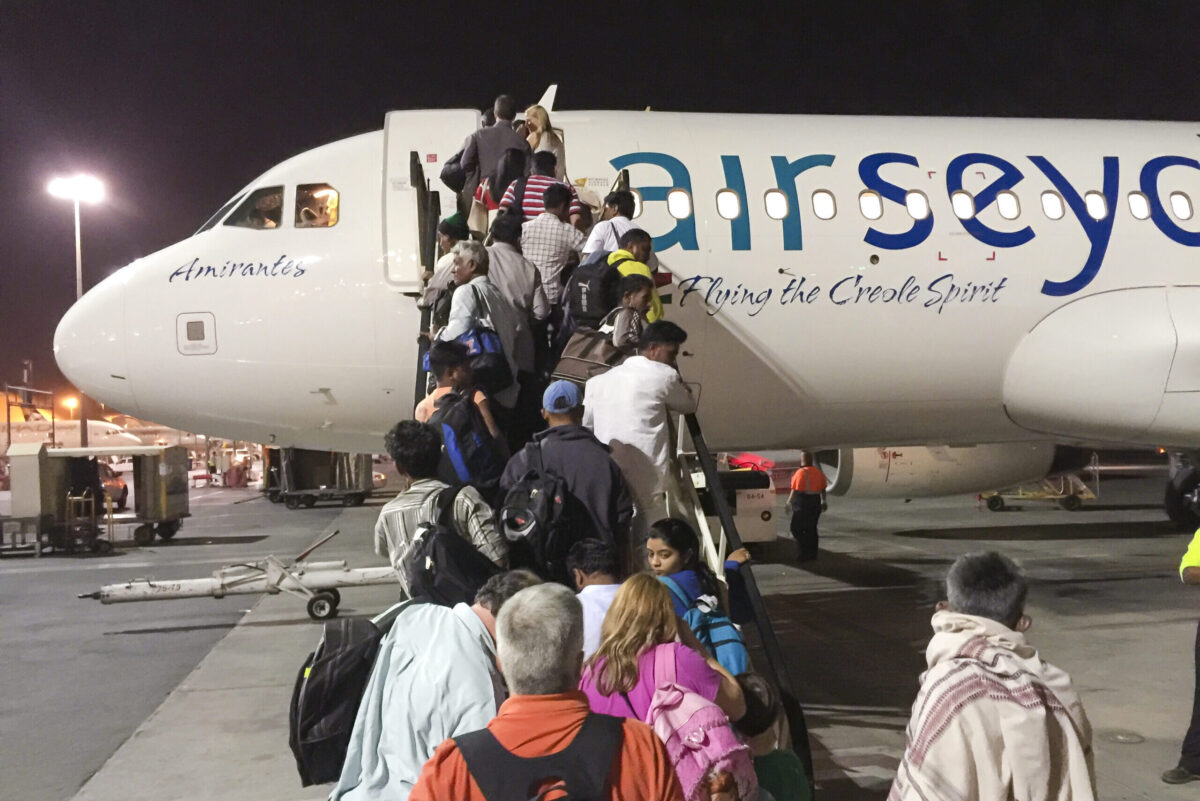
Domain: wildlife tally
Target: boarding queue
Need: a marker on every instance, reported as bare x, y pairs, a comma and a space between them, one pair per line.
561, 635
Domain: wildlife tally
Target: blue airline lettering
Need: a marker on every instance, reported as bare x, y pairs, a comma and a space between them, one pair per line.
1149, 184
868, 173
684, 232
1098, 231
786, 173
1010, 176
739, 226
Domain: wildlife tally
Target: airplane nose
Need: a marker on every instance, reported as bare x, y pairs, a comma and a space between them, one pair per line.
90, 342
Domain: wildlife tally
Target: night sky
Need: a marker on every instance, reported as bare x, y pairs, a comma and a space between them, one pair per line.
176, 105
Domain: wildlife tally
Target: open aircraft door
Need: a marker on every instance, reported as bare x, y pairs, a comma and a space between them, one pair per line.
417, 145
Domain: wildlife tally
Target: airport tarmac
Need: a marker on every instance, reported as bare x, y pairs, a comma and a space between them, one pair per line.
188, 699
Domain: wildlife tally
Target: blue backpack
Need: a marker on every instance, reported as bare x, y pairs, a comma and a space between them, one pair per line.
718, 633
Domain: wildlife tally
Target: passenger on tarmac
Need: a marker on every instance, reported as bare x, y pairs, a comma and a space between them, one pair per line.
779, 770
545, 734
597, 575
532, 201
633, 257
542, 138
992, 720
628, 409
417, 451
450, 232
483, 149
477, 303
434, 676
807, 501
551, 242
519, 281
641, 626
599, 504
629, 319
1188, 769
451, 367
673, 553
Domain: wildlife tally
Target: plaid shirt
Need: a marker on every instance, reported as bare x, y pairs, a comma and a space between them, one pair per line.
548, 242
400, 518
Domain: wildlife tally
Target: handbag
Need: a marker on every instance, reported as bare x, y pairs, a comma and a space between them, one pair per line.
589, 352
489, 364
453, 175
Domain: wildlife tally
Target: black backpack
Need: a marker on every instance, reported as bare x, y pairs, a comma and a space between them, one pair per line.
328, 691
592, 290
441, 565
469, 452
534, 518
512, 164
581, 768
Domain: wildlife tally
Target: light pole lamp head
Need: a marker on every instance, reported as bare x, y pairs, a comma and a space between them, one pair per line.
79, 188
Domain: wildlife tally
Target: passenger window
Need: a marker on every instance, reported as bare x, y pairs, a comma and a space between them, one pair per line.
1052, 204
729, 204
870, 204
1139, 205
263, 209
1097, 206
963, 205
637, 203
220, 215
1008, 205
917, 204
824, 204
679, 204
776, 203
1181, 206
316, 206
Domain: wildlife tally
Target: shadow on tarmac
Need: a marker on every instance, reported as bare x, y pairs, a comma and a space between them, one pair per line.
1083, 530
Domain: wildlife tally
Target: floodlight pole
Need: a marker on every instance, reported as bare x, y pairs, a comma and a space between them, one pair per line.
83, 421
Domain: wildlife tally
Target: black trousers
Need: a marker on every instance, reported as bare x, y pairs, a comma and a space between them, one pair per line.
804, 524
1190, 756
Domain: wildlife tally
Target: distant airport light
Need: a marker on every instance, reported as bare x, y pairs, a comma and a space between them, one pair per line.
80, 188
71, 402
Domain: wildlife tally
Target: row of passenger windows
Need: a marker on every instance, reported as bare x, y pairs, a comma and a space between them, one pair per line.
316, 206
870, 204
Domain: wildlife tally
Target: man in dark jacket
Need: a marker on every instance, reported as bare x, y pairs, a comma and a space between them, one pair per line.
599, 496
483, 150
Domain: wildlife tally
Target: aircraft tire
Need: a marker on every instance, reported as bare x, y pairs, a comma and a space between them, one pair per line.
168, 529
1175, 503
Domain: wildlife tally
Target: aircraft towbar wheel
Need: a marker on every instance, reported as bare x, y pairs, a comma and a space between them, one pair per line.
337, 596
1071, 503
322, 606
995, 503
292, 502
143, 534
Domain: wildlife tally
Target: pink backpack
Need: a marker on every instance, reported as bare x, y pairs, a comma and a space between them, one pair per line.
697, 734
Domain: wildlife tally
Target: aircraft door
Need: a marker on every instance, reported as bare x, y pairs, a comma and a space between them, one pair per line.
417, 145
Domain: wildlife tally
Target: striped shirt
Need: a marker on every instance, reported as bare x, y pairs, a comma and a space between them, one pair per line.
531, 201
400, 518
548, 242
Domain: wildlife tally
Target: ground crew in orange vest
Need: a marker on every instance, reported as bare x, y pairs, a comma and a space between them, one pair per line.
807, 501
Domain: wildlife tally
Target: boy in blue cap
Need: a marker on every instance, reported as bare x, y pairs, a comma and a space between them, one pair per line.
600, 504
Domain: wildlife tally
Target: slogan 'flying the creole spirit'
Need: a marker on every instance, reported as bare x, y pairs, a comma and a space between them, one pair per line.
1097, 231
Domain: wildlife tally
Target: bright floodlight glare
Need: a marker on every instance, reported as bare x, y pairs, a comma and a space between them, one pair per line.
71, 402
81, 188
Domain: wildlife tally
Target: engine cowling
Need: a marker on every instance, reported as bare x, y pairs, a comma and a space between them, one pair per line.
924, 471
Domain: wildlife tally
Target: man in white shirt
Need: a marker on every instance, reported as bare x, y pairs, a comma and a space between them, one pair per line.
629, 407
478, 303
616, 219
593, 566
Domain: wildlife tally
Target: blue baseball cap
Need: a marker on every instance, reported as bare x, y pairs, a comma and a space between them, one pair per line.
562, 396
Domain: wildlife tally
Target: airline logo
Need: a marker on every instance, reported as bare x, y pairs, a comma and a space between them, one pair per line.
1097, 231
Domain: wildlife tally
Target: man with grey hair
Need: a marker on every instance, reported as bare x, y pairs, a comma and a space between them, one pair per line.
992, 721
545, 733
434, 676
477, 303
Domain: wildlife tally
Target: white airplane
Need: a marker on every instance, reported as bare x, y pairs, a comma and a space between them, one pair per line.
155, 434
65, 433
846, 282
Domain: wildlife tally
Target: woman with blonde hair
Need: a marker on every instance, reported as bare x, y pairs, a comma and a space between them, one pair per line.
640, 628
542, 137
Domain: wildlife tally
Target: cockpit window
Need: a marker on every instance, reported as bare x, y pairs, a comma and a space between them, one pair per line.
221, 212
316, 206
262, 209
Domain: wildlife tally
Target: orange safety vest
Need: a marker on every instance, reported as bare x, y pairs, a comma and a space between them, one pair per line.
809, 480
